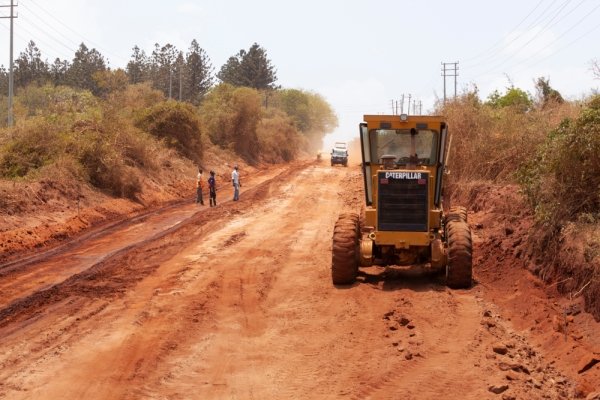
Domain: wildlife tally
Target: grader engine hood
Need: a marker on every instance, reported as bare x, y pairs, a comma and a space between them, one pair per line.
402, 201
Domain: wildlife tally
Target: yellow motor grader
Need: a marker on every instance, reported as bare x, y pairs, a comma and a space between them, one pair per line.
404, 158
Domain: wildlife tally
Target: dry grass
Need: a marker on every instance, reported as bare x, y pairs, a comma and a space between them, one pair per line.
491, 144
552, 152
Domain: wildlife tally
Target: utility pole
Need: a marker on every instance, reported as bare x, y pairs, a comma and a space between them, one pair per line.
409, 96
449, 69
402, 105
10, 70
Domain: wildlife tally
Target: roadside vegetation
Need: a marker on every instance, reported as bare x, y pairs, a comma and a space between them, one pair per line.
549, 147
110, 128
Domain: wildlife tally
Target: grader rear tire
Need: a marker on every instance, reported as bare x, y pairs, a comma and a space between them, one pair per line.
457, 213
344, 255
459, 271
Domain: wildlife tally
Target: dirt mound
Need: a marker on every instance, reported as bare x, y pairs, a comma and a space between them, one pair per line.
577, 267
507, 228
521, 270
45, 213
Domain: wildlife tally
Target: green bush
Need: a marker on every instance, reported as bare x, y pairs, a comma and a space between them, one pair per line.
563, 180
311, 114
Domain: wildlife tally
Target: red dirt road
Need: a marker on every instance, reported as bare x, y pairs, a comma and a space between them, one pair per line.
236, 302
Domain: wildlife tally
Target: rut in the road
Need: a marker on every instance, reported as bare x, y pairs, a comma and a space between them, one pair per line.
121, 270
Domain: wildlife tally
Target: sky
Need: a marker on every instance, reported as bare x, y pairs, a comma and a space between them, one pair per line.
362, 56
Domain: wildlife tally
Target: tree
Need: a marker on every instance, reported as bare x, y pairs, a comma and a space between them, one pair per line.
58, 71
514, 97
85, 63
310, 113
295, 104
137, 67
3, 80
251, 69
177, 72
546, 94
161, 67
198, 74
231, 116
230, 71
30, 67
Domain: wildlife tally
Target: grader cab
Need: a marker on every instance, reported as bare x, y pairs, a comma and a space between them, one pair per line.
404, 222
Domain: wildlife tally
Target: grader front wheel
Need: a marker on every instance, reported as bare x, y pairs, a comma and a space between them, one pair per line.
459, 271
344, 255
457, 213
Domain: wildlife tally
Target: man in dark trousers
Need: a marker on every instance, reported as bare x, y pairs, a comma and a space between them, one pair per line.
212, 189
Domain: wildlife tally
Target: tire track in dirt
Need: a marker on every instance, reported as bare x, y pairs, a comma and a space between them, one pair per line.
111, 274
99, 243
74, 279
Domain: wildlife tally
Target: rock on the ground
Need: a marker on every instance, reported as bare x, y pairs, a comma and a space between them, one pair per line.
500, 348
497, 389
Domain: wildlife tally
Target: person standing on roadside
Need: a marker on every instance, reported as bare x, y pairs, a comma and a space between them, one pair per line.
212, 189
235, 179
199, 199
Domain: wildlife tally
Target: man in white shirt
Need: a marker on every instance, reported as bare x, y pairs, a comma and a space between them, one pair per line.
235, 179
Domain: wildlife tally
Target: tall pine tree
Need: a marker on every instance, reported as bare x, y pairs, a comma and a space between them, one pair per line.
58, 71
161, 68
137, 68
85, 63
249, 68
198, 74
30, 67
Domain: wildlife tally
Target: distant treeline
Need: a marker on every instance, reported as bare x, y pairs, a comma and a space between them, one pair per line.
184, 76
111, 128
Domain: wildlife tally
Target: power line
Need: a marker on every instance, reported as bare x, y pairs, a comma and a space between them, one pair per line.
43, 21
501, 40
568, 44
537, 34
576, 24
36, 38
542, 18
77, 33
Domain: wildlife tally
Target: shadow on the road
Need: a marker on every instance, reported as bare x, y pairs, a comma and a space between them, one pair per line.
393, 278
390, 279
